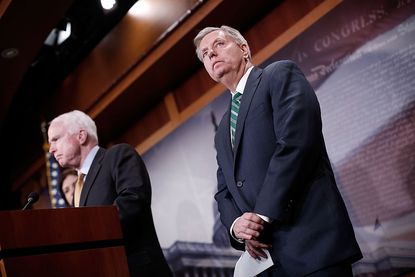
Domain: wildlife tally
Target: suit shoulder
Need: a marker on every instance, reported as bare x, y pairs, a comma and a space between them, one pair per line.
283, 69
279, 65
121, 148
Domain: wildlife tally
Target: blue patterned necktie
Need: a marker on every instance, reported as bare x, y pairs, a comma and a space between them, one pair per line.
236, 102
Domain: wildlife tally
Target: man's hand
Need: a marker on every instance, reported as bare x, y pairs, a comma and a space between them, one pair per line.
248, 227
255, 248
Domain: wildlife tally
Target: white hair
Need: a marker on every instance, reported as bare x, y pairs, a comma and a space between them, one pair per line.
229, 31
76, 120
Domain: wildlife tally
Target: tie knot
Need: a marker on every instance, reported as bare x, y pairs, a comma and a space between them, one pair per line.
81, 177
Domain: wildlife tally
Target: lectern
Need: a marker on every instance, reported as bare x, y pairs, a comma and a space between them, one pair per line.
71, 242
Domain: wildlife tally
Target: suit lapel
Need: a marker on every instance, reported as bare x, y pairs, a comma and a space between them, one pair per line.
249, 91
224, 143
92, 174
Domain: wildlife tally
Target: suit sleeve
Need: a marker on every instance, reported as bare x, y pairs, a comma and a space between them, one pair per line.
132, 186
227, 209
297, 127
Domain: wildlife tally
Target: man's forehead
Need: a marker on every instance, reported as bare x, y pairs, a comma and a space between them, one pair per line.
55, 128
214, 34
211, 38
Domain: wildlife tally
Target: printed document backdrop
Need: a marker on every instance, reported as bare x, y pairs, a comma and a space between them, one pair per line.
360, 58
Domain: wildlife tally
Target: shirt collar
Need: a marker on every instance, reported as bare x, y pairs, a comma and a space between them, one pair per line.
242, 83
88, 160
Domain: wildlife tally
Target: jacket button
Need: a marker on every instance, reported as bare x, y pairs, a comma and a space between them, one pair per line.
239, 184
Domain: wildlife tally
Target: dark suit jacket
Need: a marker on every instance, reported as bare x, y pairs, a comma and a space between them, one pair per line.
119, 177
279, 168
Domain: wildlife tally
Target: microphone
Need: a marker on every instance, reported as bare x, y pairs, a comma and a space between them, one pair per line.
31, 198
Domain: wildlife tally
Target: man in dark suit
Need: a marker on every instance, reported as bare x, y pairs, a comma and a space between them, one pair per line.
116, 176
276, 189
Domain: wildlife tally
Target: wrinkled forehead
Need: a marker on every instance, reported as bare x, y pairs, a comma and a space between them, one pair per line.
211, 37
56, 128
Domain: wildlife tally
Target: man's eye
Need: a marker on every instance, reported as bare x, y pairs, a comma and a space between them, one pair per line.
204, 54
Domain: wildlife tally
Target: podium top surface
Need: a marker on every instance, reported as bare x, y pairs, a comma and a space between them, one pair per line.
48, 227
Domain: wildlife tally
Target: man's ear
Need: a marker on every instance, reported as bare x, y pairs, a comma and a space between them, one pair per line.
82, 136
245, 50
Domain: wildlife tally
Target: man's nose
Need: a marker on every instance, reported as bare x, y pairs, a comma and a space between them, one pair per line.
211, 53
52, 149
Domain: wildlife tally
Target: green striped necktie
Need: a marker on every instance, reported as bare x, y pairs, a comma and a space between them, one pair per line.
236, 102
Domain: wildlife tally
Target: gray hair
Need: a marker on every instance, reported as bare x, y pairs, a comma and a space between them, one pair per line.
76, 120
229, 31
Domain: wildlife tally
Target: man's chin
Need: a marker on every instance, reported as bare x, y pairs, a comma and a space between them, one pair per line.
217, 76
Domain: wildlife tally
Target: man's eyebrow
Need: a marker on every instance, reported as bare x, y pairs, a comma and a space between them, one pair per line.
205, 48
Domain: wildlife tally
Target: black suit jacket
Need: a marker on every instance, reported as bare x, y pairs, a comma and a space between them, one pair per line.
279, 168
119, 177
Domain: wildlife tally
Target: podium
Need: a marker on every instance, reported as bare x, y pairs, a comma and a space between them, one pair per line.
83, 241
